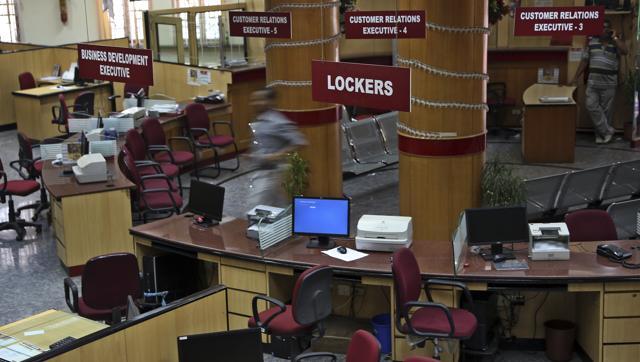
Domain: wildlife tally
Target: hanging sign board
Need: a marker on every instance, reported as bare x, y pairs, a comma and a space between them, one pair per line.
260, 24
364, 85
384, 24
115, 64
577, 20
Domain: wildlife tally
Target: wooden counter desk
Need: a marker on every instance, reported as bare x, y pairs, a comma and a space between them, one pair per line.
89, 219
549, 129
599, 295
33, 106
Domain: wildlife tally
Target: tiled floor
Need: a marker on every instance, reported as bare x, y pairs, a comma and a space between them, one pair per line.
31, 277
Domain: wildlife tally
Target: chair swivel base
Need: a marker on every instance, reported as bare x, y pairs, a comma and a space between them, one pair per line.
18, 225
38, 206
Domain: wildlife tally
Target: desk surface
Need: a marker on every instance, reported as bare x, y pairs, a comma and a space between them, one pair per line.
48, 90
531, 96
167, 118
41, 330
60, 185
434, 257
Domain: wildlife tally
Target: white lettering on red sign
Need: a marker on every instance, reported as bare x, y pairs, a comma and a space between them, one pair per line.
360, 85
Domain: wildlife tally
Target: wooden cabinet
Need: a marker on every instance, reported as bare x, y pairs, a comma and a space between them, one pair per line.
621, 322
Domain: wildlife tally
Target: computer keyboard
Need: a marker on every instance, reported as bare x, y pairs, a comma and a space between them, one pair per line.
61, 342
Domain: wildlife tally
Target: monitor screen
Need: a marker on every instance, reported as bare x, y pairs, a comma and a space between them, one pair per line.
321, 216
206, 199
497, 224
239, 345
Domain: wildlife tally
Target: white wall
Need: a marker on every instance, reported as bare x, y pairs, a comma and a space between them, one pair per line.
39, 22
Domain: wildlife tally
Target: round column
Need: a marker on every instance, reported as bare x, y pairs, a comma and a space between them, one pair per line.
442, 140
315, 36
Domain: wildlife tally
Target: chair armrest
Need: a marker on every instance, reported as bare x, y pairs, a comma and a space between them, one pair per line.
79, 114
224, 123
22, 164
113, 97
452, 283
417, 304
153, 149
69, 285
264, 325
183, 139
302, 357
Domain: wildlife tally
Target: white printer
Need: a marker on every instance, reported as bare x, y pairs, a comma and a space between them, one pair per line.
91, 168
383, 232
549, 241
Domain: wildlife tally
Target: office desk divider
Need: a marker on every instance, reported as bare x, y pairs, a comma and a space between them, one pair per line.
122, 125
107, 148
270, 234
82, 124
50, 151
459, 243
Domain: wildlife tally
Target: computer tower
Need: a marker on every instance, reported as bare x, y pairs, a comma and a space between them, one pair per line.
176, 274
485, 310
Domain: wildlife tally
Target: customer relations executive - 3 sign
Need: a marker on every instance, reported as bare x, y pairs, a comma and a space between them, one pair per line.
115, 64
365, 85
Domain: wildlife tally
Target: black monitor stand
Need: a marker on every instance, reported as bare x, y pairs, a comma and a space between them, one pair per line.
320, 242
497, 248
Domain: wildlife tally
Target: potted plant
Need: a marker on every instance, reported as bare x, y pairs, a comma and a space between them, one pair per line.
497, 9
500, 187
346, 5
296, 178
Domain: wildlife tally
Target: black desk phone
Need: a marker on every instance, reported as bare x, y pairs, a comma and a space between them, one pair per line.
613, 252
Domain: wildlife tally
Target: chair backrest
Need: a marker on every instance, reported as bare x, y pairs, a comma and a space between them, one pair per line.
542, 194
623, 181
130, 88
25, 149
582, 187
496, 92
127, 164
108, 279
590, 225
135, 145
366, 140
62, 118
26, 80
84, 102
197, 116
364, 347
388, 124
406, 277
152, 132
311, 300
625, 217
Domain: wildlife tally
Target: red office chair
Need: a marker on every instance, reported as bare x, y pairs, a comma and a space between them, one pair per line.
590, 225
429, 320
364, 347
26, 80
154, 193
135, 143
61, 115
84, 103
107, 281
10, 188
133, 89
198, 130
157, 147
310, 305
30, 168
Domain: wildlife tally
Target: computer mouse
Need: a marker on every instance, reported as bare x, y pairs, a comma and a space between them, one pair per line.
498, 258
342, 250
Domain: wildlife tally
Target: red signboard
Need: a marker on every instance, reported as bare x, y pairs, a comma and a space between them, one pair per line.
384, 24
260, 24
126, 65
365, 85
577, 20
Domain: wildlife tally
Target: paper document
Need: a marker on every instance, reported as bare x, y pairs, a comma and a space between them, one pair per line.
350, 255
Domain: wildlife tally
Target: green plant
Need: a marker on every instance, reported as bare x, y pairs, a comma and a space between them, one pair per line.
497, 9
500, 187
296, 178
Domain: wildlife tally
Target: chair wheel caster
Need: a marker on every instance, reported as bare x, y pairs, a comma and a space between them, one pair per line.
38, 229
20, 236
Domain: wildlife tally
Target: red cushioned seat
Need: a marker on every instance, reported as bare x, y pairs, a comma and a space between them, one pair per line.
179, 157
218, 140
21, 187
434, 320
160, 200
168, 169
284, 324
91, 313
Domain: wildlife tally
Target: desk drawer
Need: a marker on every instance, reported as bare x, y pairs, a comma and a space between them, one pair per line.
61, 251
622, 304
621, 286
621, 330
243, 279
240, 302
621, 353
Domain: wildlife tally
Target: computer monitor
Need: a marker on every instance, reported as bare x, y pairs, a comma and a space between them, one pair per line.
321, 218
206, 200
497, 225
239, 345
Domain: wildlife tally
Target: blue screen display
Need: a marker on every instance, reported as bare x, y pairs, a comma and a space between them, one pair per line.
321, 216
